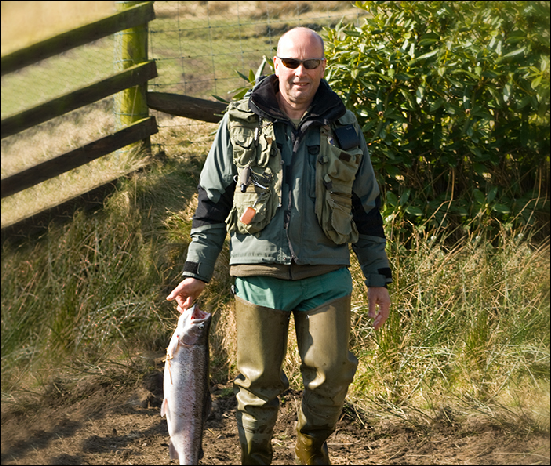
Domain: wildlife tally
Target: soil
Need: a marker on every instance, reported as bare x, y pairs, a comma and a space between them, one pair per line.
110, 421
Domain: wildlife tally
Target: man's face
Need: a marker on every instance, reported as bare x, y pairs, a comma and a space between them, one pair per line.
298, 86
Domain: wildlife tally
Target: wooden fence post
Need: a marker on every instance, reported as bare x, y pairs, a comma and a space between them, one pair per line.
130, 105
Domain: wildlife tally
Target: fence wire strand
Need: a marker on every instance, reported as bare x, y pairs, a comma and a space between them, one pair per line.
200, 47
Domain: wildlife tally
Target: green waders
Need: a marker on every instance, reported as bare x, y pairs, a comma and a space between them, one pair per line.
327, 368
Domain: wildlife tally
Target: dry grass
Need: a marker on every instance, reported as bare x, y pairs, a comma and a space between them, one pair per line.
468, 327
53, 139
41, 20
56, 137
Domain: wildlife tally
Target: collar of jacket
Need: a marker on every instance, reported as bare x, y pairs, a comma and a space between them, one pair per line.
325, 108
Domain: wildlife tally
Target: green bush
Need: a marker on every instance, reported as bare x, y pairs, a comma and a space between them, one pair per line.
453, 98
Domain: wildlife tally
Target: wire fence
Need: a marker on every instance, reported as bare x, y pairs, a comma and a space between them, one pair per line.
200, 47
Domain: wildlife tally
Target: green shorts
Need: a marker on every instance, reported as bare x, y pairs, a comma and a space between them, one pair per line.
294, 295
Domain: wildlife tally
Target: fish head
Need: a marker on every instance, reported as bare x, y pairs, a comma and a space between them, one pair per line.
193, 326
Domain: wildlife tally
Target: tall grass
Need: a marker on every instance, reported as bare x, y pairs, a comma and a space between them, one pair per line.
469, 325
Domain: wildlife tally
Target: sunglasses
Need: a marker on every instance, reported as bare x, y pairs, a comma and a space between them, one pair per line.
309, 64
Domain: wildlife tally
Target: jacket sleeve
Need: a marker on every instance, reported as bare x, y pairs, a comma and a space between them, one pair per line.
215, 200
366, 203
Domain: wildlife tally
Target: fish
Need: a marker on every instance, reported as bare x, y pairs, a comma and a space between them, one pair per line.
187, 400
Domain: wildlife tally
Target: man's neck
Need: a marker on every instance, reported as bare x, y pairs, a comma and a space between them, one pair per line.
294, 113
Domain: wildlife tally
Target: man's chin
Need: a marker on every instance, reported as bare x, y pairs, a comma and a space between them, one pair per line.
301, 96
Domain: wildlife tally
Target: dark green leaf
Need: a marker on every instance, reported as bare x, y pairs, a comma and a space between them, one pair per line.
502, 208
412, 210
391, 198
479, 197
492, 193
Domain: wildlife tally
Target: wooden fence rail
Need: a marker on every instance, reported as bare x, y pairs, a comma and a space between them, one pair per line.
75, 158
136, 75
79, 98
68, 40
186, 106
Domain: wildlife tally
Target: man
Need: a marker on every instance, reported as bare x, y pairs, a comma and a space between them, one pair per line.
289, 174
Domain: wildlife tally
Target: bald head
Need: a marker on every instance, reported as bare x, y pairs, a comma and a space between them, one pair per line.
299, 35
299, 66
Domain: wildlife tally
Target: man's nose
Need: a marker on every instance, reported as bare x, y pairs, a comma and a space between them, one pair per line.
300, 70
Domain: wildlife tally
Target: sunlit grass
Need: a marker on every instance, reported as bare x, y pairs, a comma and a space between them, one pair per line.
43, 143
25, 23
468, 333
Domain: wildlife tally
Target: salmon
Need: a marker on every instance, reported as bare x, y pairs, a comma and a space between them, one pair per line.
186, 403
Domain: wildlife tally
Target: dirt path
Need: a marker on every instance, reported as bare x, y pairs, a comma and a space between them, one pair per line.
105, 424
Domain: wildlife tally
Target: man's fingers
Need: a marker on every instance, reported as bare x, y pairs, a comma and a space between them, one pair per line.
186, 293
378, 322
382, 316
174, 294
184, 305
371, 307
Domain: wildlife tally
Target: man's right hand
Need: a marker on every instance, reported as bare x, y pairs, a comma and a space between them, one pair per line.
186, 293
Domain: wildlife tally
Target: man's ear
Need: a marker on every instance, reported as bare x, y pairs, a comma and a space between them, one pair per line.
276, 66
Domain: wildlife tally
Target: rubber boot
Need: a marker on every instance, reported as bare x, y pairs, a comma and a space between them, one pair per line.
261, 348
328, 368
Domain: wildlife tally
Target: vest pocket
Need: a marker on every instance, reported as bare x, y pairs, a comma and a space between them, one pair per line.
335, 174
259, 173
244, 150
242, 219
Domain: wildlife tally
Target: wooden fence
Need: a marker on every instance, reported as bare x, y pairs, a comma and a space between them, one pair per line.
132, 79
133, 76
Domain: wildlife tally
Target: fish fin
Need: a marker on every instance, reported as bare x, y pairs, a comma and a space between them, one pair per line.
172, 451
164, 407
170, 372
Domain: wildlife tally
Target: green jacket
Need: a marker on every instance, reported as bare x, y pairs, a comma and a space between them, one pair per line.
293, 234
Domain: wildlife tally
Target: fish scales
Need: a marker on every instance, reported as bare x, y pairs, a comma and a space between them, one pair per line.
186, 401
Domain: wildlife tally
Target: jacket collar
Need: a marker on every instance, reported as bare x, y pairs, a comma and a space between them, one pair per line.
325, 108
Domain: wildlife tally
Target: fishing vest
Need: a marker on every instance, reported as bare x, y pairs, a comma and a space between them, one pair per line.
259, 176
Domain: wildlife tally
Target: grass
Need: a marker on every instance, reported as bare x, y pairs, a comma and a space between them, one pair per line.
193, 58
70, 132
469, 329
468, 333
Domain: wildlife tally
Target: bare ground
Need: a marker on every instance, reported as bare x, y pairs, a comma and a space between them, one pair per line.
102, 420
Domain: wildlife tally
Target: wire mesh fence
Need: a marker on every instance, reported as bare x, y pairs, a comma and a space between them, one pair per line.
200, 47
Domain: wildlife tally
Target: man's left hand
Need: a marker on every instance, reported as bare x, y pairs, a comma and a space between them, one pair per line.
378, 295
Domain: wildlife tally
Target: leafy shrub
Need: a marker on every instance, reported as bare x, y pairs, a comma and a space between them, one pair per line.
453, 98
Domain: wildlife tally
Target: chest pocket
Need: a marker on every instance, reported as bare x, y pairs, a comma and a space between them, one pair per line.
259, 176
335, 174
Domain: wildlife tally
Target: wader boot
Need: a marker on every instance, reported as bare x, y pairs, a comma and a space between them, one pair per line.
328, 368
261, 348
